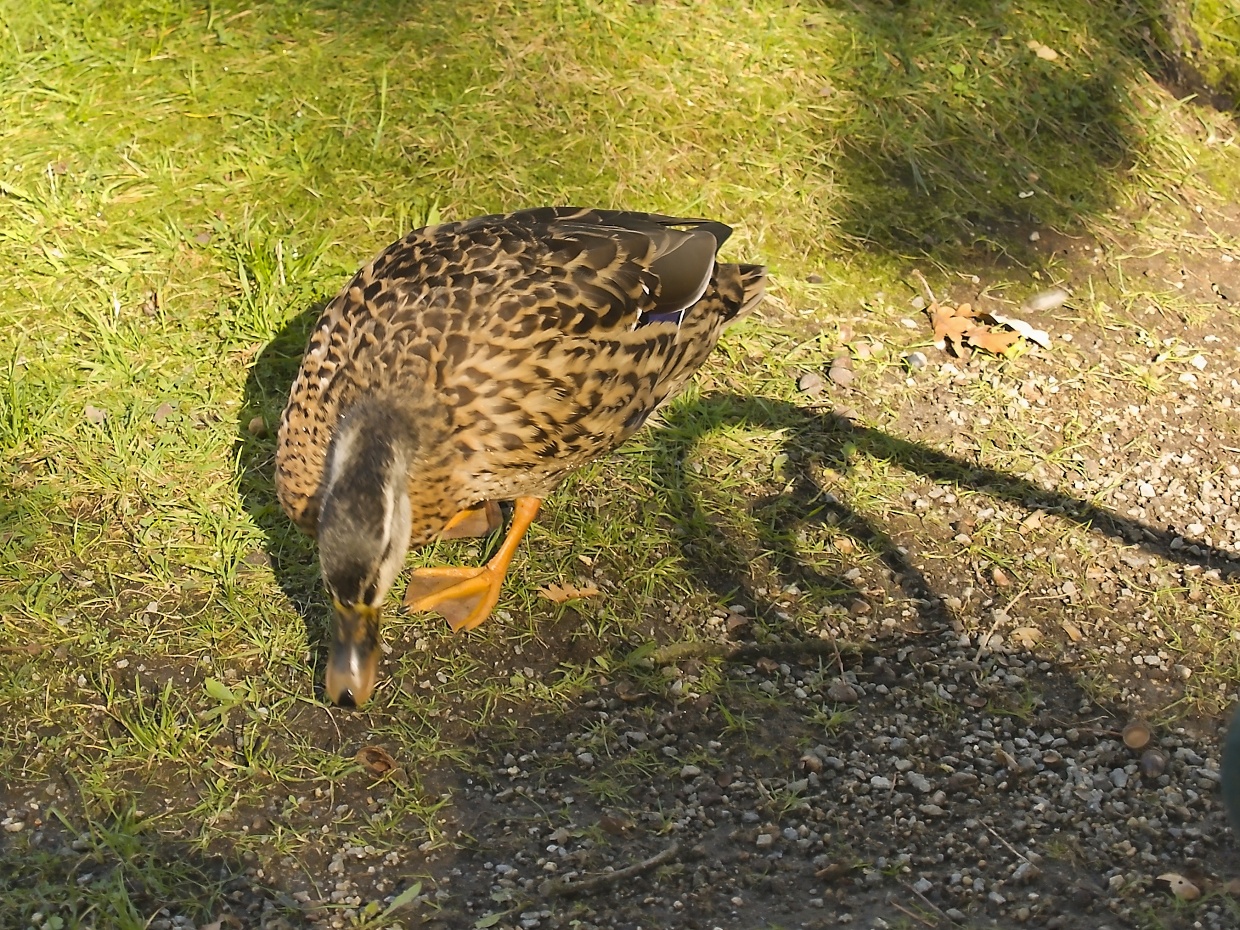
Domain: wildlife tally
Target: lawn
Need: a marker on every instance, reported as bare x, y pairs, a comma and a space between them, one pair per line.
183, 187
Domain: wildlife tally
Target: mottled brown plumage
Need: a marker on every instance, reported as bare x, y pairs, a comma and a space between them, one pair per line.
485, 360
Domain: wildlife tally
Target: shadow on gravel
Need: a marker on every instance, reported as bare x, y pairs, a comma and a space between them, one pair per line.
826, 439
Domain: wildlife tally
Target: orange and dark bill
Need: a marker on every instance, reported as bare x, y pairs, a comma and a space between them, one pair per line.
353, 662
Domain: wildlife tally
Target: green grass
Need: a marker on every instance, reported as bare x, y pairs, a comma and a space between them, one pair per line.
181, 188
1215, 25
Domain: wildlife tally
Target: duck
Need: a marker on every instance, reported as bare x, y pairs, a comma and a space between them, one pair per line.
479, 363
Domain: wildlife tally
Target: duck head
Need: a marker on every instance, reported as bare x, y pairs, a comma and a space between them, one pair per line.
363, 533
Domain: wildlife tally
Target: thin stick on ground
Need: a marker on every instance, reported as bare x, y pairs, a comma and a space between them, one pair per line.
559, 888
917, 917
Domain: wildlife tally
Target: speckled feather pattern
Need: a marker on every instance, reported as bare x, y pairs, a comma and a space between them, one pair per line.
519, 346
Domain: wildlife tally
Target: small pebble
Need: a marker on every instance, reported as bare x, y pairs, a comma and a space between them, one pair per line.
842, 692
811, 383
1043, 301
916, 361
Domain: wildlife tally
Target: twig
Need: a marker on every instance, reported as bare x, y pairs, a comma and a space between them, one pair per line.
924, 283
564, 889
917, 917
747, 652
1013, 849
984, 641
927, 902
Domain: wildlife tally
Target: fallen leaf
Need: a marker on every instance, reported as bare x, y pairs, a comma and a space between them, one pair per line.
1006, 759
378, 761
1181, 887
559, 593
257, 427
615, 826
1027, 636
1073, 631
627, 691
1040, 336
95, 415
948, 323
163, 411
833, 871
1045, 52
991, 340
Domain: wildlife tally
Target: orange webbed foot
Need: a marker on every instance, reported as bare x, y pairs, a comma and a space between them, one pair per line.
466, 596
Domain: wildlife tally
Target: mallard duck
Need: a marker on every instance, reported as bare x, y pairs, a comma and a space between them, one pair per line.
480, 362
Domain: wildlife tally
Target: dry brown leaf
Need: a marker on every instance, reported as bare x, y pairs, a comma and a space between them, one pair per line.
1027, 636
990, 340
559, 593
1181, 887
1045, 52
951, 324
834, 870
378, 761
1073, 631
1040, 336
627, 691
954, 329
615, 826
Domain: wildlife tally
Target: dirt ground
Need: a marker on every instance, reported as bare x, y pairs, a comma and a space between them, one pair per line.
943, 745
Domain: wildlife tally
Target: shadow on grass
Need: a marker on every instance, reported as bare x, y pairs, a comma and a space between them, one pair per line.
968, 123
292, 554
116, 872
825, 438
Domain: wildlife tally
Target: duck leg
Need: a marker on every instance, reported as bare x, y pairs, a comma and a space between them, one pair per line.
466, 596
477, 521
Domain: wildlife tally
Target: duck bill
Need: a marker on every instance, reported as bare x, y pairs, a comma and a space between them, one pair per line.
353, 662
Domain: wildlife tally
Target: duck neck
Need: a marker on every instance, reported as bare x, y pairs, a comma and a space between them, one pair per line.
364, 523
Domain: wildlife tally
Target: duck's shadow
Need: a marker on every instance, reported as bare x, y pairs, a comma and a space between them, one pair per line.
816, 439
290, 552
